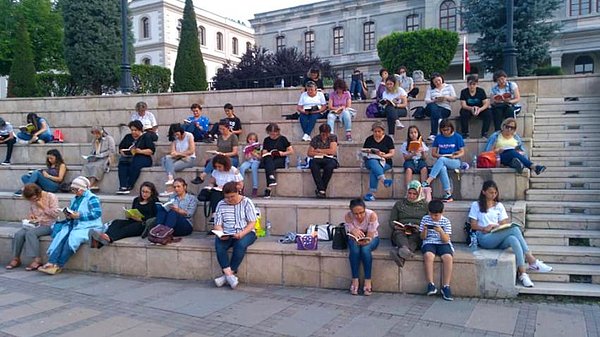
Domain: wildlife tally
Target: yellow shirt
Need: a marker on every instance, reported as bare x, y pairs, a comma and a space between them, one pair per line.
505, 143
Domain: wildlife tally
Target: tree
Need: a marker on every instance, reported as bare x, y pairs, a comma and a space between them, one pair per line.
428, 50
93, 42
189, 73
21, 81
7, 25
533, 31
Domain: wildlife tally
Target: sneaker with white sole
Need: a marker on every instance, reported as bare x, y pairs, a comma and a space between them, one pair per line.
232, 280
525, 280
170, 182
431, 289
431, 138
5, 163
540, 267
399, 124
165, 194
306, 138
220, 281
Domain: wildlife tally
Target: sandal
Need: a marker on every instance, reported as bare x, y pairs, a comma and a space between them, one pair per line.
50, 269
367, 291
14, 263
354, 290
33, 266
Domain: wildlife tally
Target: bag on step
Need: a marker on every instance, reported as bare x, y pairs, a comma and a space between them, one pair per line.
162, 235
339, 237
306, 242
487, 160
323, 231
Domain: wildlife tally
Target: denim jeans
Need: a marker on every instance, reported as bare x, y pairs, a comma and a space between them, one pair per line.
356, 88
239, 250
252, 164
391, 115
198, 134
180, 224
308, 121
376, 172
435, 113
440, 168
362, 254
63, 252
172, 166
325, 164
36, 177
344, 116
507, 156
270, 164
511, 237
9, 147
46, 136
129, 172
235, 161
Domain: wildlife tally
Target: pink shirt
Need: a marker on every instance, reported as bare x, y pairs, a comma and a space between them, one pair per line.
339, 100
365, 226
46, 215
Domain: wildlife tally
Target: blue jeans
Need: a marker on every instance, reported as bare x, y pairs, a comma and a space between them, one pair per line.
180, 224
441, 167
308, 121
46, 136
356, 88
172, 166
345, 117
239, 250
392, 114
129, 172
252, 164
63, 252
503, 239
36, 177
235, 161
362, 254
375, 172
435, 113
507, 156
191, 128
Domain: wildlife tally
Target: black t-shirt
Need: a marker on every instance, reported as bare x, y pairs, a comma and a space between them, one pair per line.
385, 145
318, 82
148, 210
476, 100
234, 123
145, 141
280, 144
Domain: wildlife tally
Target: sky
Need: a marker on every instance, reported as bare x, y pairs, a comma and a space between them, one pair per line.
245, 9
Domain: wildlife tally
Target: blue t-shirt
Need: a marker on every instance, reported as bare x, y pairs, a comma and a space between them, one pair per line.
448, 145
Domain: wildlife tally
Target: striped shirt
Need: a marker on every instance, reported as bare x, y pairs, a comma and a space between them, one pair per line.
434, 237
234, 218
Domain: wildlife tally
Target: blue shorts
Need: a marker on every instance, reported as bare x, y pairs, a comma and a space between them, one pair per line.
437, 249
416, 167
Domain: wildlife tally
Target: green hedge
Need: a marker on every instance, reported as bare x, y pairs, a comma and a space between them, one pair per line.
150, 79
548, 71
61, 85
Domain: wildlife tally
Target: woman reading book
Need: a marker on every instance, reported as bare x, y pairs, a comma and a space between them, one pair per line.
142, 209
182, 154
50, 178
378, 152
180, 210
224, 172
393, 104
37, 130
323, 151
275, 150
438, 98
98, 161
505, 95
488, 214
227, 145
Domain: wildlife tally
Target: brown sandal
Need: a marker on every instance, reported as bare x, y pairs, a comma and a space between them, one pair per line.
33, 266
14, 263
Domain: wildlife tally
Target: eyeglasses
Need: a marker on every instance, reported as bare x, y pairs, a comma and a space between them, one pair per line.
510, 127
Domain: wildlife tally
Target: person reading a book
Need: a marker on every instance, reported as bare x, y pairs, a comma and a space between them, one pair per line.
233, 122
43, 213
378, 151
37, 130
435, 231
224, 172
227, 145
494, 230
196, 124
7, 136
361, 224
275, 150
339, 107
505, 96
252, 157
313, 75
414, 152
98, 161
182, 154
406, 82
235, 218
50, 178
474, 103
142, 209
84, 213
323, 151
136, 150
447, 148
356, 85
438, 97
143, 115
393, 104
311, 105
178, 212
383, 73
404, 221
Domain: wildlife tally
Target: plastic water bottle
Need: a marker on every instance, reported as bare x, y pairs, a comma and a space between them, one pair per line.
474, 242
299, 162
474, 162
268, 228
282, 83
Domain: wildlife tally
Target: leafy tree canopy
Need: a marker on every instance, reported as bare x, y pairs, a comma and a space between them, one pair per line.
189, 73
21, 80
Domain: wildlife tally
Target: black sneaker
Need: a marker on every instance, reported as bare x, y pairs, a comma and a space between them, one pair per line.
18, 193
5, 163
539, 169
431, 289
267, 194
517, 165
447, 293
197, 180
271, 181
447, 198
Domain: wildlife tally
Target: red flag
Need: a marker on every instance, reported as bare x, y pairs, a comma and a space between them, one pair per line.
467, 63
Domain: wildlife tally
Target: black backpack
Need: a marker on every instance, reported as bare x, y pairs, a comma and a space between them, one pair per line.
339, 237
419, 112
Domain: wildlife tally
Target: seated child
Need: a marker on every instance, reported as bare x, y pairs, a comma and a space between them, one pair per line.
435, 232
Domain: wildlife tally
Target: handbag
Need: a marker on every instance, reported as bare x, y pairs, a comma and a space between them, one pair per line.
419, 112
163, 235
339, 237
487, 160
323, 231
306, 242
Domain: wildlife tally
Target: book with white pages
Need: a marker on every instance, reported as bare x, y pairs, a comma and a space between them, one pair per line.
221, 234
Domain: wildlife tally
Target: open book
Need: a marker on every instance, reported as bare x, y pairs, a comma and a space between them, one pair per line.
167, 205
371, 150
221, 234
321, 156
386, 102
133, 213
28, 128
500, 97
215, 188
29, 224
90, 157
274, 153
67, 211
127, 152
415, 145
312, 108
408, 225
505, 226
213, 152
251, 147
363, 239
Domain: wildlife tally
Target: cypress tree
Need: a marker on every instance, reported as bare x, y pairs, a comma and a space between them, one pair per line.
21, 80
190, 72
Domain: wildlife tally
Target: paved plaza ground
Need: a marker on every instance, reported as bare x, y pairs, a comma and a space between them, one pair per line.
94, 305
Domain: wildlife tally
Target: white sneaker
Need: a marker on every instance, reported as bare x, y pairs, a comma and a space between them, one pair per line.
399, 124
540, 266
232, 280
165, 194
220, 281
170, 182
431, 138
306, 138
525, 280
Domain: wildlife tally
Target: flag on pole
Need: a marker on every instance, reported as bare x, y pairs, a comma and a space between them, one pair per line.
466, 63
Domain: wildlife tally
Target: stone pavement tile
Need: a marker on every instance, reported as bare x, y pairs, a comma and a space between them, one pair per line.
69, 280
146, 330
194, 334
141, 293
305, 321
433, 330
49, 323
493, 317
104, 328
198, 301
556, 322
456, 312
294, 292
395, 304
365, 325
250, 312
22, 274
10, 298
28, 309
340, 297
109, 286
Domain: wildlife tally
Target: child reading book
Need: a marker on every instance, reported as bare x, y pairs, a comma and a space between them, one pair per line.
414, 151
252, 160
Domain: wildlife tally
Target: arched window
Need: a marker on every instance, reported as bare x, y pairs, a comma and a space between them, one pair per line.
279, 43
146, 61
448, 15
584, 65
179, 23
369, 35
202, 35
338, 40
219, 41
234, 46
412, 22
145, 27
580, 7
309, 43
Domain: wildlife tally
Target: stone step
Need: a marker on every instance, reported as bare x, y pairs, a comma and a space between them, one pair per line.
563, 207
563, 195
569, 273
560, 237
565, 135
566, 254
285, 214
568, 99
564, 153
563, 221
345, 183
542, 182
587, 144
574, 162
541, 119
562, 289
587, 127
571, 172
487, 274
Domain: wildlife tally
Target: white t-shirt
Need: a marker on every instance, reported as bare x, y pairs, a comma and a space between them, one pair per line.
493, 215
404, 150
446, 90
222, 178
393, 96
308, 102
148, 116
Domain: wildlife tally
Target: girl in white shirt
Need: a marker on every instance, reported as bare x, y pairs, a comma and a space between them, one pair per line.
438, 98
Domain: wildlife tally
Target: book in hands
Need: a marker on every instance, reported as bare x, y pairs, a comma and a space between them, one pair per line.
28, 128
274, 153
133, 213
29, 224
213, 152
214, 188
449, 155
67, 211
221, 234
371, 150
406, 226
127, 152
500, 97
360, 240
312, 108
505, 226
251, 148
321, 156
167, 205
387, 102
415, 145
90, 157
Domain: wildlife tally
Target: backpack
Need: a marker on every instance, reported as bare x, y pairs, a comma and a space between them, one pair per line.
372, 110
486, 160
419, 112
468, 231
339, 237
161, 234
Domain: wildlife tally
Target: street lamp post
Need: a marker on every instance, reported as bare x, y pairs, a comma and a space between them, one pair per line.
510, 52
126, 82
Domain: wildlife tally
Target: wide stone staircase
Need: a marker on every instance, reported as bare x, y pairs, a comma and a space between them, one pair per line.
563, 203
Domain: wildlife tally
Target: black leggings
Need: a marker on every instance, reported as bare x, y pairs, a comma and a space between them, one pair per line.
124, 228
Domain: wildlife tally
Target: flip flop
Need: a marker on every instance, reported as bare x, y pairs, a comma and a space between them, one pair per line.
14, 263
33, 266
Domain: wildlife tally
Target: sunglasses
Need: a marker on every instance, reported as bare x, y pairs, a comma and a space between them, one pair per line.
509, 127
